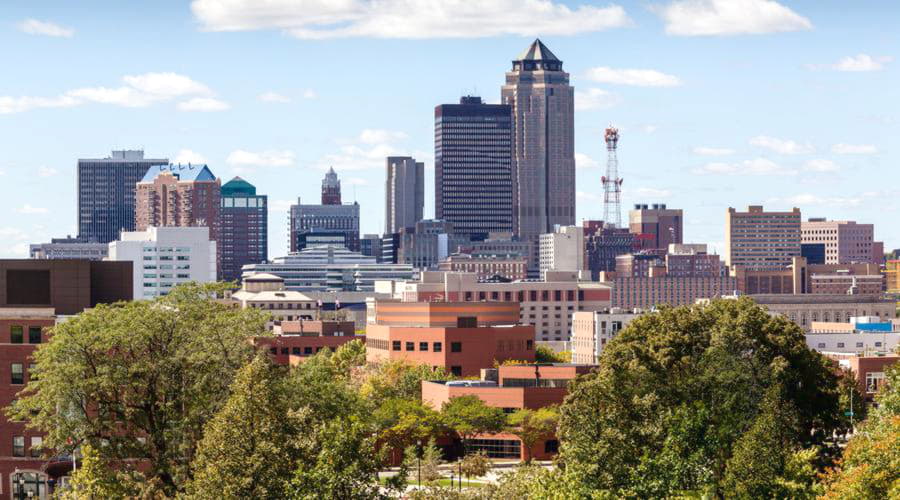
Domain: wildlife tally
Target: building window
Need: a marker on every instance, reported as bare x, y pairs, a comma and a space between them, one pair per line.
18, 446
16, 334
37, 443
18, 376
874, 381
455, 346
840, 345
307, 351
295, 351
396, 345
410, 346
34, 335
437, 347
284, 350
551, 446
456, 371
423, 346
529, 345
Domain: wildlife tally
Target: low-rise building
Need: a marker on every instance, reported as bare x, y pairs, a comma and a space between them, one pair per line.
645, 293
860, 336
807, 309
461, 337
591, 331
511, 267
293, 342
869, 370
69, 286
69, 248
267, 292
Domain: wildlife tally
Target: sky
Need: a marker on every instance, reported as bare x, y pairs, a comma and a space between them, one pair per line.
719, 103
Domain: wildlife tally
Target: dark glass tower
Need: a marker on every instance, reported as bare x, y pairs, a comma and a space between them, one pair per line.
244, 228
473, 182
106, 193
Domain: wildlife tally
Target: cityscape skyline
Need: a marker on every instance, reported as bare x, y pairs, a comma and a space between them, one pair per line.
780, 148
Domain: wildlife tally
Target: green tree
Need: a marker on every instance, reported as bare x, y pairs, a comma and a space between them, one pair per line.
475, 465
349, 356
543, 354
676, 389
140, 379
396, 379
401, 422
424, 461
249, 448
96, 479
531, 426
469, 416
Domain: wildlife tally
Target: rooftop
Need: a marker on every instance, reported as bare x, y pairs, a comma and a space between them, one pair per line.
189, 172
537, 51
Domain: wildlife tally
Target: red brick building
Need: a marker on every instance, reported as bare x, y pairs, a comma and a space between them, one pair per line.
294, 341
869, 372
460, 337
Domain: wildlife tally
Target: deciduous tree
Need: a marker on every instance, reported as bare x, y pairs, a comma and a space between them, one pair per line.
531, 426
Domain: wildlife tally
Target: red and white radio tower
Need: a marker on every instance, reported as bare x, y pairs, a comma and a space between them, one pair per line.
612, 184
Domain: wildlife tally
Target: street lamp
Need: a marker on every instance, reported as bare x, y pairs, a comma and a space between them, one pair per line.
419, 460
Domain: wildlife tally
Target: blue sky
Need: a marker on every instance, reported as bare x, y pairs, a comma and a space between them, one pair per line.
719, 102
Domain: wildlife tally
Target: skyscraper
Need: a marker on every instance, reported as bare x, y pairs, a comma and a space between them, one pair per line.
543, 108
106, 193
473, 166
404, 193
243, 235
331, 188
330, 223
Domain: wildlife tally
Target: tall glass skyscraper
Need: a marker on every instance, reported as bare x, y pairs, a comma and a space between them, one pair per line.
106, 193
244, 228
473, 187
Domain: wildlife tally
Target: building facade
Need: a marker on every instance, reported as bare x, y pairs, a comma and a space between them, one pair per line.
758, 240
404, 193
324, 224
164, 257
244, 237
645, 293
846, 242
603, 243
331, 188
543, 109
657, 225
67, 286
562, 250
69, 248
267, 292
106, 193
473, 186
592, 330
510, 267
806, 309
429, 242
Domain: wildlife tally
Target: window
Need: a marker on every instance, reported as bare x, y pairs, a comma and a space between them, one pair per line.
874, 381
15, 334
529, 345
18, 446
423, 346
34, 335
456, 371
840, 344
551, 446
821, 345
295, 351
410, 346
273, 350
18, 375
455, 346
437, 347
284, 350
307, 351
497, 448
37, 443
396, 345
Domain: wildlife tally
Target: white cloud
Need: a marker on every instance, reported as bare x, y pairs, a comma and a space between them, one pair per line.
636, 77
592, 99
584, 161
270, 158
854, 149
138, 91
203, 104
729, 17
356, 181
782, 146
189, 156
821, 166
30, 210
649, 129
273, 97
47, 172
707, 151
310, 94
857, 63
756, 166
811, 199
646, 192
45, 28
410, 19
377, 136
584, 195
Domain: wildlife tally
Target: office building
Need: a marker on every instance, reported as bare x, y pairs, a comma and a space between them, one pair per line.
69, 248
178, 196
461, 337
473, 186
646, 293
603, 243
509, 267
329, 223
106, 193
429, 242
293, 342
761, 241
164, 257
846, 242
692, 260
592, 330
501, 245
656, 226
331, 188
562, 250
267, 292
244, 228
370, 246
404, 193
67, 286
543, 108
860, 336
814, 253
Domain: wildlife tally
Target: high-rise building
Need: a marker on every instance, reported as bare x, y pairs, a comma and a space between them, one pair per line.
331, 223
846, 242
473, 166
543, 108
178, 196
602, 244
244, 227
562, 250
656, 226
106, 193
757, 240
404, 193
427, 243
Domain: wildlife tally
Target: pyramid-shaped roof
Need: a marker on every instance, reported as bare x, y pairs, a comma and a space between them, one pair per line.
537, 51
238, 186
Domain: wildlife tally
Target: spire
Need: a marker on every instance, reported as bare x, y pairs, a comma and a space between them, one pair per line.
331, 188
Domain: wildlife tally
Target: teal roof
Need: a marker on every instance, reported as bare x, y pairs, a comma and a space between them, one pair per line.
189, 172
238, 187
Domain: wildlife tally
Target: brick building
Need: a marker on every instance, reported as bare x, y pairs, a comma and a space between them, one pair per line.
645, 293
659, 226
244, 235
68, 286
846, 242
178, 195
461, 337
295, 341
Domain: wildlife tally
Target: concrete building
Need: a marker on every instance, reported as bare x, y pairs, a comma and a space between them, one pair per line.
429, 242
69, 248
461, 337
404, 193
510, 267
473, 185
267, 292
692, 260
244, 235
503, 244
562, 250
860, 336
543, 109
106, 193
846, 242
164, 257
66, 286
645, 293
757, 240
592, 330
603, 243
330, 223
803, 278
656, 226
807, 309
330, 268
547, 305
370, 246
866, 284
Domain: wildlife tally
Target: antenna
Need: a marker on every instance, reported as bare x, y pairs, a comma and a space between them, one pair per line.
612, 183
